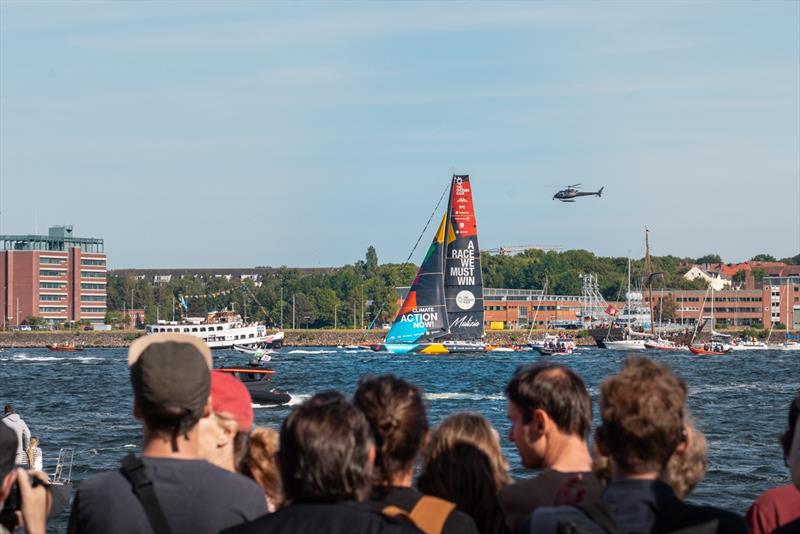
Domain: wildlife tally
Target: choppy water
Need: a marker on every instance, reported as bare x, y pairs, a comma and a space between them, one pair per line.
83, 400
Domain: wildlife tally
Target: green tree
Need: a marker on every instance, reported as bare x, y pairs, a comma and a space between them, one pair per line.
739, 278
371, 261
759, 274
764, 257
709, 258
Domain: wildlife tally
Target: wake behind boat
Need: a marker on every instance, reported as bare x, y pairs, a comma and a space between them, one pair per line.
443, 311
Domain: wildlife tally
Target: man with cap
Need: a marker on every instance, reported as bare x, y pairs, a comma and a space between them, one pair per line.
176, 491
225, 432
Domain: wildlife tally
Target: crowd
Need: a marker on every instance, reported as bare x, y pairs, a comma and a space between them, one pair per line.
349, 465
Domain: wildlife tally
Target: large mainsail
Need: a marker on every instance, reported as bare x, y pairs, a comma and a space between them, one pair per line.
423, 316
463, 282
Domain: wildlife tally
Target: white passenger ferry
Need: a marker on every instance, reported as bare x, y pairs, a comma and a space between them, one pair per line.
221, 330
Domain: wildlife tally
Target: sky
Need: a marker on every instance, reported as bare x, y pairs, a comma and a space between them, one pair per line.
237, 134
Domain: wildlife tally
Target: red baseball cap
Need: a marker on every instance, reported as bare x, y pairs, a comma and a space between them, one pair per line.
229, 396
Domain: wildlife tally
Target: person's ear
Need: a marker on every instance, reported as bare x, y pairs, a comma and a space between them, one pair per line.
137, 409
685, 441
207, 409
600, 440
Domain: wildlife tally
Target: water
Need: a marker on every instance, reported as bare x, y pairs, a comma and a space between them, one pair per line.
83, 400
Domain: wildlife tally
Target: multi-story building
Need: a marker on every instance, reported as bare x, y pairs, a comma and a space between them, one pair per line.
781, 298
57, 277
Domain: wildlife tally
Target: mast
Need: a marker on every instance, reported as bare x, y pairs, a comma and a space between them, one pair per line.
536, 312
648, 268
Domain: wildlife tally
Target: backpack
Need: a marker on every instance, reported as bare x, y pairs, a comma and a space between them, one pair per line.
429, 514
669, 520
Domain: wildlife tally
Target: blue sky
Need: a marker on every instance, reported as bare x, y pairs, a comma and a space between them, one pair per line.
262, 133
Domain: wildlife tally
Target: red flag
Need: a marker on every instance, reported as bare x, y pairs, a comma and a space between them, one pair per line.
612, 311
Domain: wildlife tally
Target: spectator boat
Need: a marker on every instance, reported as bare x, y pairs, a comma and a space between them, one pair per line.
64, 347
714, 348
258, 382
222, 330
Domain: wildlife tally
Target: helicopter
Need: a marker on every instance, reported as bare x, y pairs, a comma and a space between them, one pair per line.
571, 192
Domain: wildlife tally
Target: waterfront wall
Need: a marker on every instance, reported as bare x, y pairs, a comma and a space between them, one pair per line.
294, 338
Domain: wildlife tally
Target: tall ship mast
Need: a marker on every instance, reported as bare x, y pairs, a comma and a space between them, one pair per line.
443, 311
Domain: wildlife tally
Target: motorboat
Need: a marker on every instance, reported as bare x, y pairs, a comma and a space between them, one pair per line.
552, 339
662, 344
258, 382
748, 344
64, 347
713, 348
555, 351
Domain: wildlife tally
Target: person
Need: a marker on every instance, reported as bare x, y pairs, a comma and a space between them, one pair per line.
170, 488
326, 456
224, 434
642, 412
463, 464
781, 505
33, 502
261, 464
34, 454
550, 413
13, 421
476, 429
396, 415
684, 471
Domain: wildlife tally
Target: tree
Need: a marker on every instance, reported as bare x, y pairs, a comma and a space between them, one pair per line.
371, 261
794, 260
739, 278
668, 309
709, 258
759, 274
764, 257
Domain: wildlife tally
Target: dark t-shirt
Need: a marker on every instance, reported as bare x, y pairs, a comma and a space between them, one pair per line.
338, 518
520, 499
196, 497
406, 498
639, 506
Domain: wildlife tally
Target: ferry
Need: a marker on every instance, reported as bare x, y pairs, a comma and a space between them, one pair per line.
221, 330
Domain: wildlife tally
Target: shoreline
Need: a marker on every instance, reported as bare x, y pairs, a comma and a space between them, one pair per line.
294, 338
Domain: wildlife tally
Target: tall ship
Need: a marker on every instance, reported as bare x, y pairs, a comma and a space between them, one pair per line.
221, 330
443, 310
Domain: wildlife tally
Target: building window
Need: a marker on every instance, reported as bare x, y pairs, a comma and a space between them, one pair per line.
48, 272
93, 286
52, 285
51, 309
92, 310
92, 274
87, 261
53, 261
51, 298
93, 298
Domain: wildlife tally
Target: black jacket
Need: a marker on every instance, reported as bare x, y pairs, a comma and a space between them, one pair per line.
339, 518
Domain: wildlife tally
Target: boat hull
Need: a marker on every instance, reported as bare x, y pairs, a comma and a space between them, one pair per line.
704, 352
434, 348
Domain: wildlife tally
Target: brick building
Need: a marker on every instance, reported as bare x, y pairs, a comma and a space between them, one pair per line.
57, 277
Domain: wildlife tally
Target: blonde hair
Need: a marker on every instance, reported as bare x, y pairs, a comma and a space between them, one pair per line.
685, 471
33, 442
261, 465
474, 429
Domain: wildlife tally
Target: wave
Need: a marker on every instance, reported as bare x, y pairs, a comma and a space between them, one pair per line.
322, 351
295, 399
462, 396
23, 357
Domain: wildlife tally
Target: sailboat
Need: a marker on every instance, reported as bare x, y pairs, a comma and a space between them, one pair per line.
718, 344
443, 311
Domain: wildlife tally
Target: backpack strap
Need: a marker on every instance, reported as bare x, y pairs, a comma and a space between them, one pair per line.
600, 513
133, 470
429, 514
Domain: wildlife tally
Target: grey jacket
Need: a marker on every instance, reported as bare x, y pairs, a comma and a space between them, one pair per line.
15, 423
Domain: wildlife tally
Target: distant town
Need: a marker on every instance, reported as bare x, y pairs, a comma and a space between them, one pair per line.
60, 280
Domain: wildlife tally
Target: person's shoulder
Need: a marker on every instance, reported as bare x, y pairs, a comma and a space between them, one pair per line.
103, 484
548, 518
459, 523
773, 496
726, 521
337, 518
